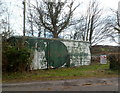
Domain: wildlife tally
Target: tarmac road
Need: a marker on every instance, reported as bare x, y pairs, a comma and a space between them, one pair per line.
89, 84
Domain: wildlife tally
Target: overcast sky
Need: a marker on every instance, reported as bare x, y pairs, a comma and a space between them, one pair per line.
16, 6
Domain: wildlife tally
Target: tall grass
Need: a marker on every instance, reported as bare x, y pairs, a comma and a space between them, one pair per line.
62, 73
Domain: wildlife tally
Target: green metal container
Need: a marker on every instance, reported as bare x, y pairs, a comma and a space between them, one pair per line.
55, 53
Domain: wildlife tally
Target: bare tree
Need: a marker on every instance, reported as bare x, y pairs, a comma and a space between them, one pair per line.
30, 22
115, 26
5, 26
93, 26
53, 16
1, 12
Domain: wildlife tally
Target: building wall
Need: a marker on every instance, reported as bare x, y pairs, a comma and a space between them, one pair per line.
62, 53
79, 52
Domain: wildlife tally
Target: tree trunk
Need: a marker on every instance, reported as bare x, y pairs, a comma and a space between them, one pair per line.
55, 35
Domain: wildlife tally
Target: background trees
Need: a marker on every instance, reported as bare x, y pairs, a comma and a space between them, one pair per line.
115, 25
93, 26
50, 19
54, 17
5, 26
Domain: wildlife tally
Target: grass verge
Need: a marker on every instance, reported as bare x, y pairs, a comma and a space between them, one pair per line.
61, 73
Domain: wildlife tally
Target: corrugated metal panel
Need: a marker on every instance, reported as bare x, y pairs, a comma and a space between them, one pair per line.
57, 52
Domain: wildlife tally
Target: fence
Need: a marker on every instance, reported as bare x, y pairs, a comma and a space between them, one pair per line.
54, 53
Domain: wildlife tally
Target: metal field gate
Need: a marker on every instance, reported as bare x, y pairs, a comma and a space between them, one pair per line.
55, 53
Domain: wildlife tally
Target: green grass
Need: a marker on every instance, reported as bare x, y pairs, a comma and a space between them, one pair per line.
61, 73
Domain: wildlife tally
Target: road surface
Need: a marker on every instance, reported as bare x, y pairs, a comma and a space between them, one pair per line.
89, 84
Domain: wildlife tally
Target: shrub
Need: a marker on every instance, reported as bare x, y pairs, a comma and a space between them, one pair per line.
114, 61
16, 59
